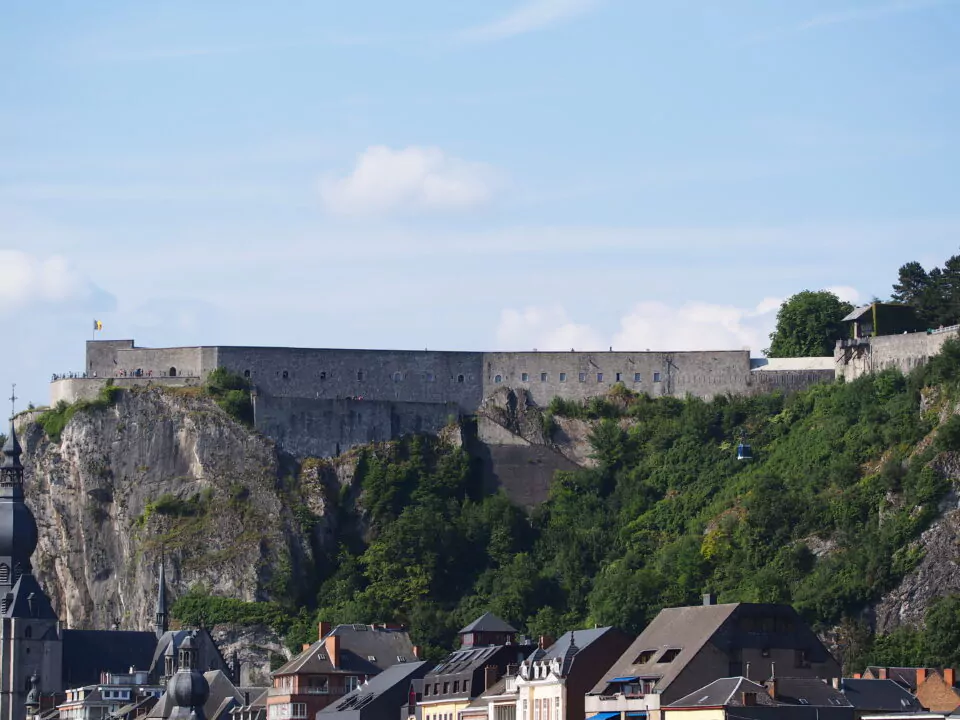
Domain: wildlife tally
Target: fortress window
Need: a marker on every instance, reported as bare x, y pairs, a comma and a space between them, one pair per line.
599, 377
524, 377
583, 377
397, 376
636, 377
173, 372
459, 378
360, 375
246, 373
431, 377
323, 374
543, 377
286, 374
656, 377
563, 377
498, 379
618, 377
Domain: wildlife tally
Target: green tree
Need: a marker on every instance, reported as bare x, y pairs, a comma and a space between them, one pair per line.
808, 325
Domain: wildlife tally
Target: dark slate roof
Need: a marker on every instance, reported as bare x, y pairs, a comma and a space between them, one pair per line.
879, 696
465, 660
223, 696
856, 313
488, 622
725, 692
562, 648
208, 654
905, 676
19, 605
381, 696
810, 691
358, 643
114, 650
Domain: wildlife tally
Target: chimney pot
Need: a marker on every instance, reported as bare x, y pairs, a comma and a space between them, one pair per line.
305, 646
883, 673
332, 645
709, 599
950, 676
921, 676
323, 629
772, 688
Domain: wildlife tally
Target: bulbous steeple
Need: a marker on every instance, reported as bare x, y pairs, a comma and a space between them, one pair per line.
188, 687
18, 528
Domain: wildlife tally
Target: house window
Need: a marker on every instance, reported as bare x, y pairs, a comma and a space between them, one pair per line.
426, 690
351, 682
637, 378
583, 377
556, 708
599, 377
656, 377
456, 686
563, 377
669, 655
498, 379
644, 657
524, 377
523, 711
459, 378
466, 686
543, 377
446, 688
4, 574
618, 377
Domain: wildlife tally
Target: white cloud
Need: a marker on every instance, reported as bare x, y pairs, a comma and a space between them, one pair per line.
411, 179
51, 281
529, 16
544, 328
650, 325
846, 293
870, 12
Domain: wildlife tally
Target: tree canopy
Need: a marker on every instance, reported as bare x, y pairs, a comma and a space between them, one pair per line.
935, 295
808, 325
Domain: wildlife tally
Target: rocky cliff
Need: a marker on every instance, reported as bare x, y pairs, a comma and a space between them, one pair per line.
164, 473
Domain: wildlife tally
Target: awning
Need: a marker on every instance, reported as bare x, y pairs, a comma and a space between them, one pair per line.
604, 716
638, 714
624, 679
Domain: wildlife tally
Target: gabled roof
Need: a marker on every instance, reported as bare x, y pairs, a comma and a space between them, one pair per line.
394, 680
904, 676
725, 692
857, 313
809, 691
358, 644
686, 629
464, 660
579, 639
879, 695
488, 622
115, 651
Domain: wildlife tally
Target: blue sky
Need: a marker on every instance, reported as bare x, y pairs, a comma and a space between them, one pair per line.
506, 174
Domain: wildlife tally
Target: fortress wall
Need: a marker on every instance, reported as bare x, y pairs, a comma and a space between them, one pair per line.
903, 352
396, 376
788, 381
73, 389
308, 427
101, 354
703, 374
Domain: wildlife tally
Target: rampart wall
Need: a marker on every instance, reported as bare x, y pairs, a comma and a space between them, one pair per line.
307, 427
905, 352
69, 390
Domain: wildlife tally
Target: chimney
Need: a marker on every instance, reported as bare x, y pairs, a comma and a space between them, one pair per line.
950, 676
417, 651
883, 674
709, 598
772, 687
546, 641
491, 673
323, 628
921, 676
748, 699
332, 645
858, 676
835, 682
305, 646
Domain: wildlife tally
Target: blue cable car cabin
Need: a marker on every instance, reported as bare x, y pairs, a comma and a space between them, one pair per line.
744, 452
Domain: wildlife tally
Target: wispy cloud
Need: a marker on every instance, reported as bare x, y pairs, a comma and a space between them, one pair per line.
530, 16
870, 12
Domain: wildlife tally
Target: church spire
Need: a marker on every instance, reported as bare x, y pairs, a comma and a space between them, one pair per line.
11, 469
160, 622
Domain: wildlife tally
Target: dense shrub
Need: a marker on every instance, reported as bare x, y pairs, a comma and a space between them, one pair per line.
232, 393
54, 420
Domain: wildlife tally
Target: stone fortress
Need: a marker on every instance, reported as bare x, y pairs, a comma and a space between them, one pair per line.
320, 402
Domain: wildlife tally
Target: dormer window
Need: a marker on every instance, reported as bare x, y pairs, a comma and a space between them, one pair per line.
644, 657
669, 655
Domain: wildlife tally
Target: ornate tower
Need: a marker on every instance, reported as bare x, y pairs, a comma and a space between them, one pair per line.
31, 644
160, 624
188, 687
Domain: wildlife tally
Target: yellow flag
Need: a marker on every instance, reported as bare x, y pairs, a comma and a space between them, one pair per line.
97, 325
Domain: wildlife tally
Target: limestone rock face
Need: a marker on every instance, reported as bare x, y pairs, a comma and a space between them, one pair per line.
254, 646
166, 471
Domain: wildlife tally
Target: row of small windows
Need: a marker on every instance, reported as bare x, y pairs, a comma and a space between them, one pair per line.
582, 377
397, 376
446, 688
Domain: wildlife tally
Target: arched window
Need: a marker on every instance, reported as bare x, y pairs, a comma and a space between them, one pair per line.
397, 376
459, 378
173, 372
498, 379
246, 373
4, 574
